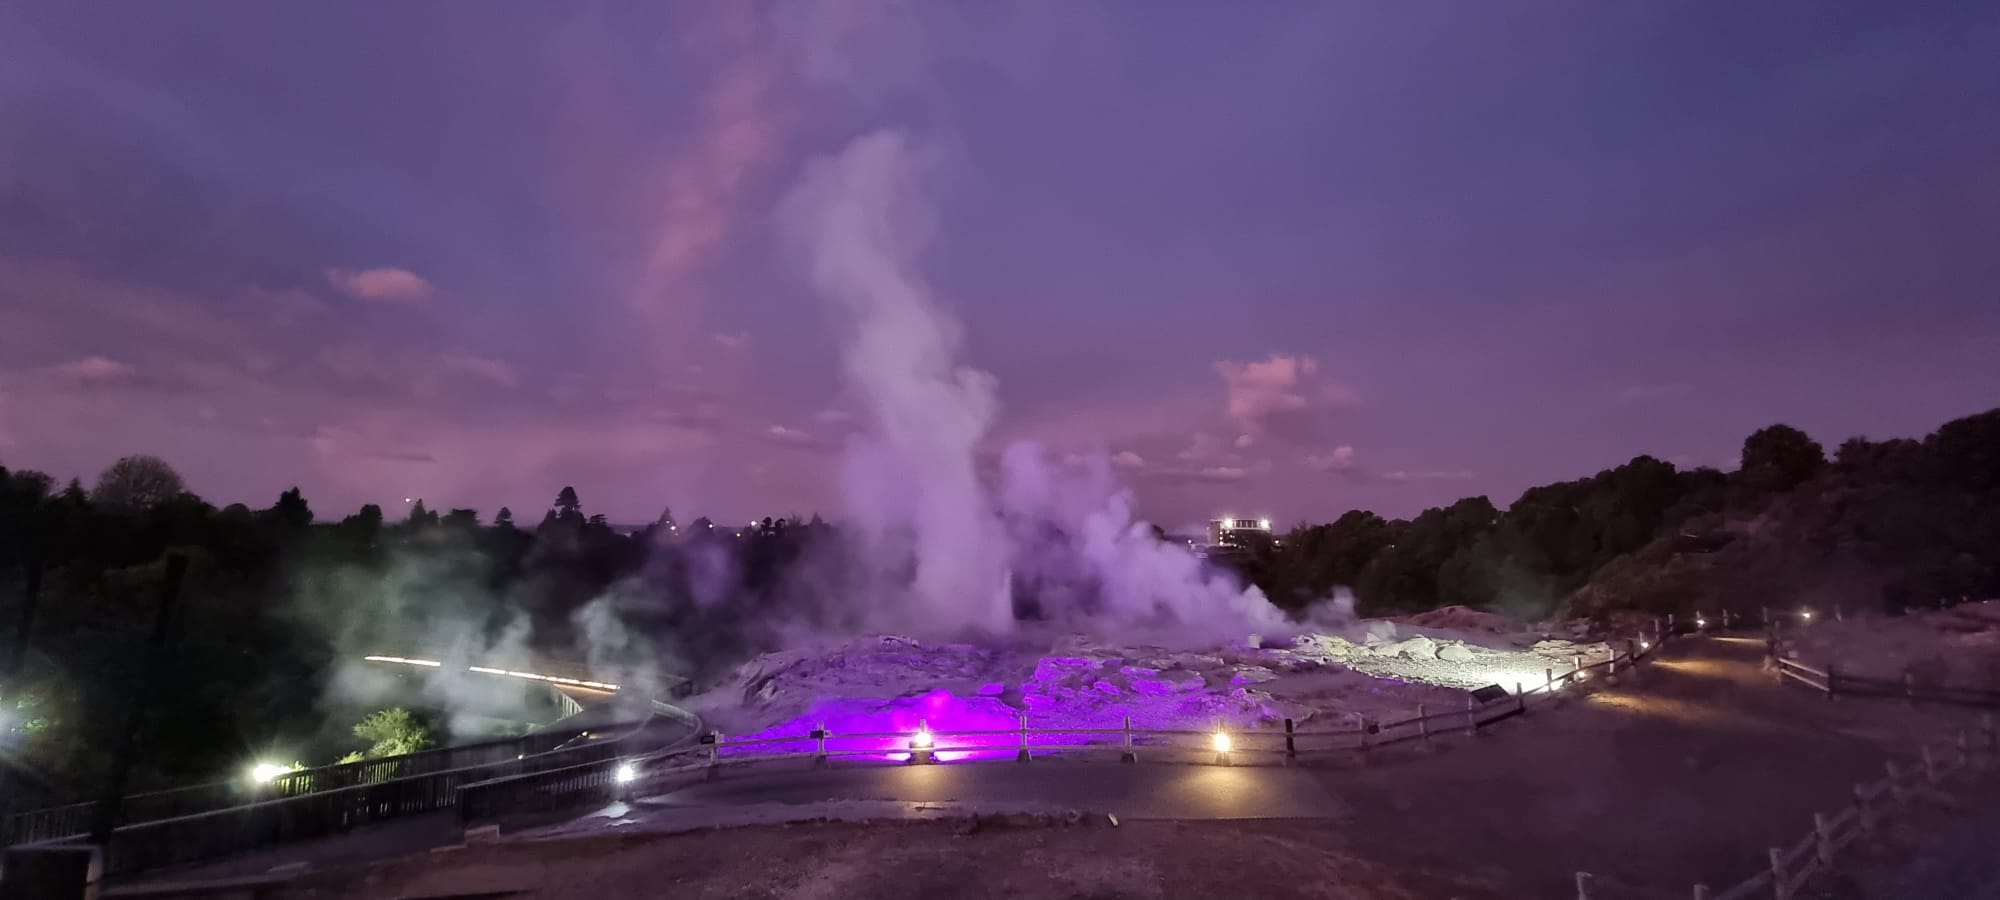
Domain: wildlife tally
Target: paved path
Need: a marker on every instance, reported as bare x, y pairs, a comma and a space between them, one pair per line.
1683, 775
1142, 791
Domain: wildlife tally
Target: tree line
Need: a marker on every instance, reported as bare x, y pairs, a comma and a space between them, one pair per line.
277, 598
1880, 524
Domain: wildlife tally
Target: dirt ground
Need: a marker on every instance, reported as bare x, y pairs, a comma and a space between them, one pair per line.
997, 858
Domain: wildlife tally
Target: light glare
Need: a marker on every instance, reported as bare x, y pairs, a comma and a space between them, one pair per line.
625, 773
265, 773
1222, 742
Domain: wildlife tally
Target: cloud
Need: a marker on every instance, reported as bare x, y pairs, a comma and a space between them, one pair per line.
1282, 394
1340, 460
1452, 475
706, 417
459, 362
334, 443
1243, 441
736, 340
792, 437
1216, 474
1127, 460
1202, 447
380, 285
95, 370
413, 372
1640, 393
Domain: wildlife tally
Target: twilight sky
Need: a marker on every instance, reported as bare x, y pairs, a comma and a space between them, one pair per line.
1272, 258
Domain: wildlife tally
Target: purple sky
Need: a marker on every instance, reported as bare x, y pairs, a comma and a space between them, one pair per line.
1279, 258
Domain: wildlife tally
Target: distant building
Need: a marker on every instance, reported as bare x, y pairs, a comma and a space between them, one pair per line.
1230, 535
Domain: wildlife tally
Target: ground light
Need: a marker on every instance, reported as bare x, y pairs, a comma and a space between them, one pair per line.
922, 744
1807, 615
1645, 645
625, 773
1222, 743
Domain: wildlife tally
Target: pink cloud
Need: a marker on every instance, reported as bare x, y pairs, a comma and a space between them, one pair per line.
1340, 460
790, 437
95, 370
1442, 475
459, 362
1202, 447
1282, 394
1128, 460
380, 285
732, 340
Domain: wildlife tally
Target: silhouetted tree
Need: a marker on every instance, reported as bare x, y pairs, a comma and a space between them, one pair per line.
136, 484
419, 516
504, 518
291, 512
1777, 458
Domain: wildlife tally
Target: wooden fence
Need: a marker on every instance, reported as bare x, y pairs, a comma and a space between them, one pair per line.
1832, 683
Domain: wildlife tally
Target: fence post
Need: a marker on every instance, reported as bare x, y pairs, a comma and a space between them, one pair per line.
1823, 838
1830, 676
1471, 719
1520, 698
1583, 886
1764, 614
1423, 726
1549, 673
1861, 819
1291, 749
1778, 874
819, 755
1725, 618
1023, 756
1130, 755
1909, 688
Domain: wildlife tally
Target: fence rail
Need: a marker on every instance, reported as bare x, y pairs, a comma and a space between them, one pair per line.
74, 820
193, 838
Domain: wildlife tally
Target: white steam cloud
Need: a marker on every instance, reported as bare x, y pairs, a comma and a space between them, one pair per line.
911, 479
